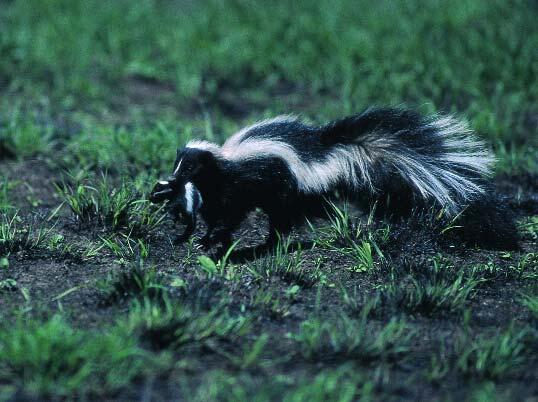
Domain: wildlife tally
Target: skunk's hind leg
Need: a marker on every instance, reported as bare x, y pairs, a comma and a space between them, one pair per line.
189, 230
279, 225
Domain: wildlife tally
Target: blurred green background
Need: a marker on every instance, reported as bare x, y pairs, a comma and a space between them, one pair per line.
205, 68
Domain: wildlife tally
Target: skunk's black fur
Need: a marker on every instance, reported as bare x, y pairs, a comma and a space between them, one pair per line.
395, 158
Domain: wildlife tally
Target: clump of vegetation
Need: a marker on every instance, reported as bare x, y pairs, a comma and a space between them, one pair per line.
21, 137
492, 357
290, 264
342, 384
15, 235
352, 237
124, 151
433, 288
135, 281
119, 209
52, 359
171, 325
356, 339
271, 304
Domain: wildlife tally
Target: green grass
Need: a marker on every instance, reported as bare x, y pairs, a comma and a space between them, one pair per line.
16, 235
435, 288
51, 358
127, 150
378, 52
135, 281
289, 264
168, 324
494, 357
110, 90
351, 237
21, 137
5, 187
119, 208
352, 339
342, 384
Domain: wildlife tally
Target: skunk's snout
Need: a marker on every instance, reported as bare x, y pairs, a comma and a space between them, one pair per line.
163, 190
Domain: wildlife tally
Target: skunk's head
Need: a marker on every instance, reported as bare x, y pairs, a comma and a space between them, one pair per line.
191, 164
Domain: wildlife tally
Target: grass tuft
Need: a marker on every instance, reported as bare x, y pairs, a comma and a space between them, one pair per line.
356, 339
53, 359
428, 289
172, 325
353, 238
21, 138
492, 357
136, 281
119, 209
16, 235
292, 266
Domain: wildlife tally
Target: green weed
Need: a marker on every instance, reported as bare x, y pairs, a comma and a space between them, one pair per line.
222, 267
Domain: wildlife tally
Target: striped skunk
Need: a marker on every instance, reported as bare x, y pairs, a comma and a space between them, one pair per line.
393, 157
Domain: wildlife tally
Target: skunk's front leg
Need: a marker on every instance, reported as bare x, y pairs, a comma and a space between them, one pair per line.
189, 230
206, 241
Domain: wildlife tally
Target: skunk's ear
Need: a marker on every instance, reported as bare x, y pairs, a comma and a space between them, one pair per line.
206, 158
206, 161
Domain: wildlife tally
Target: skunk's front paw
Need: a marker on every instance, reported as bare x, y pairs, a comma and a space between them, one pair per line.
180, 239
205, 243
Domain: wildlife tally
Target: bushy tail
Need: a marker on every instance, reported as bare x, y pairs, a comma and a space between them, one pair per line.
437, 158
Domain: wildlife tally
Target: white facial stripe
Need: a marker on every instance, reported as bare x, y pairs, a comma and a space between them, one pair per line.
163, 182
178, 165
189, 194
